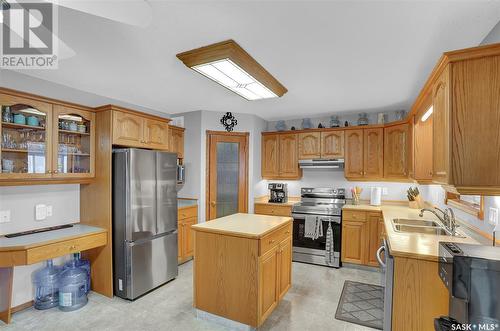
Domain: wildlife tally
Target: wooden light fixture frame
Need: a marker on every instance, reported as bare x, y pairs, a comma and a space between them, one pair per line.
229, 49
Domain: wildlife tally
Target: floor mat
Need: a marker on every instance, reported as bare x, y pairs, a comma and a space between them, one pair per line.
361, 304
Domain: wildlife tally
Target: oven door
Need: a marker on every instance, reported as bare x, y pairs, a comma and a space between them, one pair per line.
313, 251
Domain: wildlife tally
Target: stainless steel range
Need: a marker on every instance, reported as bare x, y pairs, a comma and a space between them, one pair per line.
317, 225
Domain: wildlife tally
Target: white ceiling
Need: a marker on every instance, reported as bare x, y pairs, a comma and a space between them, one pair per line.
333, 56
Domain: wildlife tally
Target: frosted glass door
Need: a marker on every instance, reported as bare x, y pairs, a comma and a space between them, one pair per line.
227, 178
227, 191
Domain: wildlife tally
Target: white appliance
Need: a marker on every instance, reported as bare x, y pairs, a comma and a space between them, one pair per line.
376, 196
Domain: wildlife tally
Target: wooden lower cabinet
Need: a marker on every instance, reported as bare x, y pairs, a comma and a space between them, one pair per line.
272, 209
354, 241
419, 295
242, 278
268, 271
361, 237
185, 242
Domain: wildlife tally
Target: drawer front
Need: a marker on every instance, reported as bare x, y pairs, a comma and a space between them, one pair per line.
354, 215
272, 210
188, 212
274, 238
50, 251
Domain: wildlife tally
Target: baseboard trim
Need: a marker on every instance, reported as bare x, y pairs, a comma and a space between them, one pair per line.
22, 307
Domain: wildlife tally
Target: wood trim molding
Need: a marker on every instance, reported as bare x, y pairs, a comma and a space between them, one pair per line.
451, 57
36, 97
131, 111
229, 49
21, 307
225, 133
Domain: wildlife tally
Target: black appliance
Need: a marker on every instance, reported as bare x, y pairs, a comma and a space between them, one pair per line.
278, 192
472, 275
326, 205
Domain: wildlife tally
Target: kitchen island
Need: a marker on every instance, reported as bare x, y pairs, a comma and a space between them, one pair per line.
242, 268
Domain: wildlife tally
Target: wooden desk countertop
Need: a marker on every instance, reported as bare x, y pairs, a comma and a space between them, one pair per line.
243, 225
44, 238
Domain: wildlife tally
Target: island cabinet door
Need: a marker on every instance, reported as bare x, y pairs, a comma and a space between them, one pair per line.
268, 279
285, 267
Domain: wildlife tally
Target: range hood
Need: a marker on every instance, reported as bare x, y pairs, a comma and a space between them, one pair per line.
322, 164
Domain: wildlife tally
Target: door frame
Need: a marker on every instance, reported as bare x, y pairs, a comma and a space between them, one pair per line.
209, 136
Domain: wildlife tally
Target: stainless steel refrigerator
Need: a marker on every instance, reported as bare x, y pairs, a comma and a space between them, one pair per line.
144, 220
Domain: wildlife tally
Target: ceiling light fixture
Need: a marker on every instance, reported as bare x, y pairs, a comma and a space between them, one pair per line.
5, 5
232, 67
427, 114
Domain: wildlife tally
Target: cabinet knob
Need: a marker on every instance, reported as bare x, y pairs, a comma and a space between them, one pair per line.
72, 247
287, 232
49, 171
272, 241
361, 172
212, 203
56, 171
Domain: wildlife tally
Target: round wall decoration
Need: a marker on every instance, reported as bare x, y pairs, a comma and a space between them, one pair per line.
229, 121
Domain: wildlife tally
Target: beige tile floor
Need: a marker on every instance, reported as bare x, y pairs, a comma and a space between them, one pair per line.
309, 305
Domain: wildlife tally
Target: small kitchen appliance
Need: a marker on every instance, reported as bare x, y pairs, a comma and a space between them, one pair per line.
323, 206
278, 192
471, 273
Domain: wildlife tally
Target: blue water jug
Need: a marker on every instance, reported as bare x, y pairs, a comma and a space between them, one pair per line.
82, 263
72, 287
46, 281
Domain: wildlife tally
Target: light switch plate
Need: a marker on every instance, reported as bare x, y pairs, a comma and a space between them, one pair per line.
40, 212
493, 216
49, 211
4, 216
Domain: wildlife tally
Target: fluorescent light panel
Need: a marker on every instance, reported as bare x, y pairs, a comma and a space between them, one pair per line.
427, 114
230, 75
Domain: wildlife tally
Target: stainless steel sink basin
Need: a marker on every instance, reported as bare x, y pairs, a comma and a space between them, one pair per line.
421, 229
418, 222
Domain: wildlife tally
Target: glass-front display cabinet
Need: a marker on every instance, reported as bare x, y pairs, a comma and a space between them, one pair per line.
44, 141
74, 142
25, 131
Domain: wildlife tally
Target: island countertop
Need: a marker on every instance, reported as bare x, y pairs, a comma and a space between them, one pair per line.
243, 225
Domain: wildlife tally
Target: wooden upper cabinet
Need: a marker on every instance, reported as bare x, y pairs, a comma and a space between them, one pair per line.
288, 156
269, 156
135, 130
373, 153
25, 150
156, 134
332, 144
396, 151
310, 145
128, 129
74, 142
177, 141
423, 145
441, 128
353, 153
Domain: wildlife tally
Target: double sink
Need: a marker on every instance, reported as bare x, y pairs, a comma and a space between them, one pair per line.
421, 226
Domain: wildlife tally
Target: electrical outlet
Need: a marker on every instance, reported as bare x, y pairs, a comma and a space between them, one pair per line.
384, 191
40, 212
49, 211
4, 216
493, 216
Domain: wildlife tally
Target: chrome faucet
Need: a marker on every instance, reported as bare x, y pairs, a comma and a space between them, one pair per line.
448, 218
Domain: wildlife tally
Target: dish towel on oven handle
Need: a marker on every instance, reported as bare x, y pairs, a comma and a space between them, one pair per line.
329, 250
313, 227
310, 226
